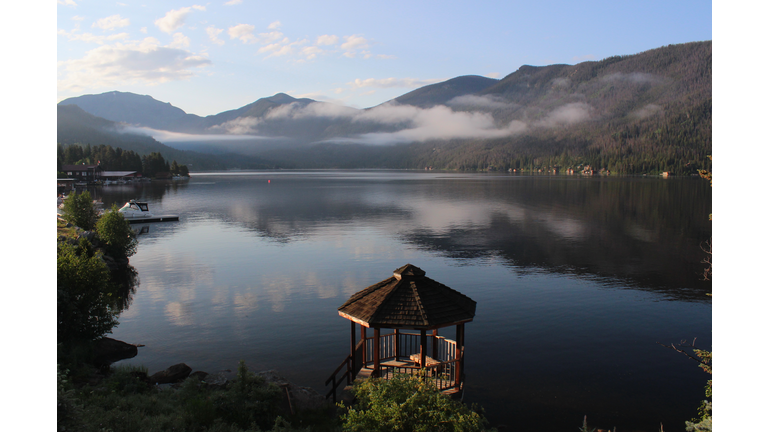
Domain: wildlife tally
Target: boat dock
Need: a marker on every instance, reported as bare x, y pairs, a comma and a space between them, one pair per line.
167, 218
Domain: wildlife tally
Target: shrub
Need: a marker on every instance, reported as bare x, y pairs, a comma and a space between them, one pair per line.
78, 210
116, 234
85, 308
408, 403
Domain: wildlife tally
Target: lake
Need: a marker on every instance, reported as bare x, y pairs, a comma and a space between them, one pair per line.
576, 280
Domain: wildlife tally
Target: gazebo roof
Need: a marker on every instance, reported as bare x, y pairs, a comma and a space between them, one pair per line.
410, 300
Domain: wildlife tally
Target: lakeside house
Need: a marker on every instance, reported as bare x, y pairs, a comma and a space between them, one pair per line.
83, 173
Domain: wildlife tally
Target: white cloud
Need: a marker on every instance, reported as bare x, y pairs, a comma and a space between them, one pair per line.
355, 44
274, 25
74, 35
213, 34
567, 114
67, 2
111, 22
392, 82
144, 62
179, 41
143, 30
494, 75
480, 102
327, 40
418, 124
244, 32
634, 77
311, 52
647, 111
233, 2
386, 56
77, 18
271, 37
175, 18
238, 126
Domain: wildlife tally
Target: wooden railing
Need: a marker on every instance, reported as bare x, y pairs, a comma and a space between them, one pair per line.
444, 375
399, 346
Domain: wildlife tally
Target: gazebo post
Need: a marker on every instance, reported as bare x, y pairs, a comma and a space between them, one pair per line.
351, 367
376, 354
423, 349
397, 344
434, 345
459, 353
364, 350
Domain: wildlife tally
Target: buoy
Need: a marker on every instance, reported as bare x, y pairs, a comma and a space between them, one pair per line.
269, 181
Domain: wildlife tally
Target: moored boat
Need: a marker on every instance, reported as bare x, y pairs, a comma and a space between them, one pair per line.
136, 210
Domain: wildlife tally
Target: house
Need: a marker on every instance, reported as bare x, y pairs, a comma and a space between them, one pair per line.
87, 173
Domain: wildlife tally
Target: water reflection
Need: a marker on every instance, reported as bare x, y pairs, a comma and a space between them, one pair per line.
646, 232
255, 270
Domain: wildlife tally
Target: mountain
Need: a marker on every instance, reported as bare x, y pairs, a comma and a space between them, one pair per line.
640, 113
442, 93
75, 126
135, 109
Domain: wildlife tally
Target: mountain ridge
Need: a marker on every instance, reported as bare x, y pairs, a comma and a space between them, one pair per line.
626, 113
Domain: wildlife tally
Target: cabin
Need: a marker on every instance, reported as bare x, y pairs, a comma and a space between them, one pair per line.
394, 329
86, 173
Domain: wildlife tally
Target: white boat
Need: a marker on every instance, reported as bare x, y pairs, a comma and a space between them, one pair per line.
136, 210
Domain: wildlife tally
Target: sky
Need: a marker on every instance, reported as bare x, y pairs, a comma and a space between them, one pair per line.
209, 57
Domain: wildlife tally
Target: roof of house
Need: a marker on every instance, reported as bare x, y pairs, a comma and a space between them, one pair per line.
410, 300
79, 167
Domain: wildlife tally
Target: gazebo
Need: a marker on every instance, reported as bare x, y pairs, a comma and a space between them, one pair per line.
406, 301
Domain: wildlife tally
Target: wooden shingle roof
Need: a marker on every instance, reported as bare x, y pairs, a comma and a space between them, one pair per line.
409, 300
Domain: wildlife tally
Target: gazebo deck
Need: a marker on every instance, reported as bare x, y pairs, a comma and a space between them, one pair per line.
390, 368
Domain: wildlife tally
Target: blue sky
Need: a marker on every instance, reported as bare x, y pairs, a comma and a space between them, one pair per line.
208, 57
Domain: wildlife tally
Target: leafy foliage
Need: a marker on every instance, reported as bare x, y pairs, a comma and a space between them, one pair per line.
704, 421
79, 211
85, 300
124, 402
116, 234
407, 403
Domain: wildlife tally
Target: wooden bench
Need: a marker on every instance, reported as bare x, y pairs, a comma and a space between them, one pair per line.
416, 358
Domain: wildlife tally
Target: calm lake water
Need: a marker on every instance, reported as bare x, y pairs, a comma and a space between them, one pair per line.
575, 279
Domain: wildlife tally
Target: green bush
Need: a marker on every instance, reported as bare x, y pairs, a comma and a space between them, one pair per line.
408, 403
78, 210
85, 305
116, 234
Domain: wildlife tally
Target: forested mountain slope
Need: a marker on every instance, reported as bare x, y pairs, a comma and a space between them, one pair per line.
641, 113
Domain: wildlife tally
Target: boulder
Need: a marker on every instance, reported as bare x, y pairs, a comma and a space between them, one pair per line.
176, 373
108, 350
88, 235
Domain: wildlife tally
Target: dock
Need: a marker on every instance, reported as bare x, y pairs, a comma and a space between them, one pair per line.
166, 218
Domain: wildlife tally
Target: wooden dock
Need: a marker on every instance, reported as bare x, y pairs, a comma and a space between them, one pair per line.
166, 218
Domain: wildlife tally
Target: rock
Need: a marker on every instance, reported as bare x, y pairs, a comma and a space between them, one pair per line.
108, 350
88, 235
200, 375
219, 379
173, 374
